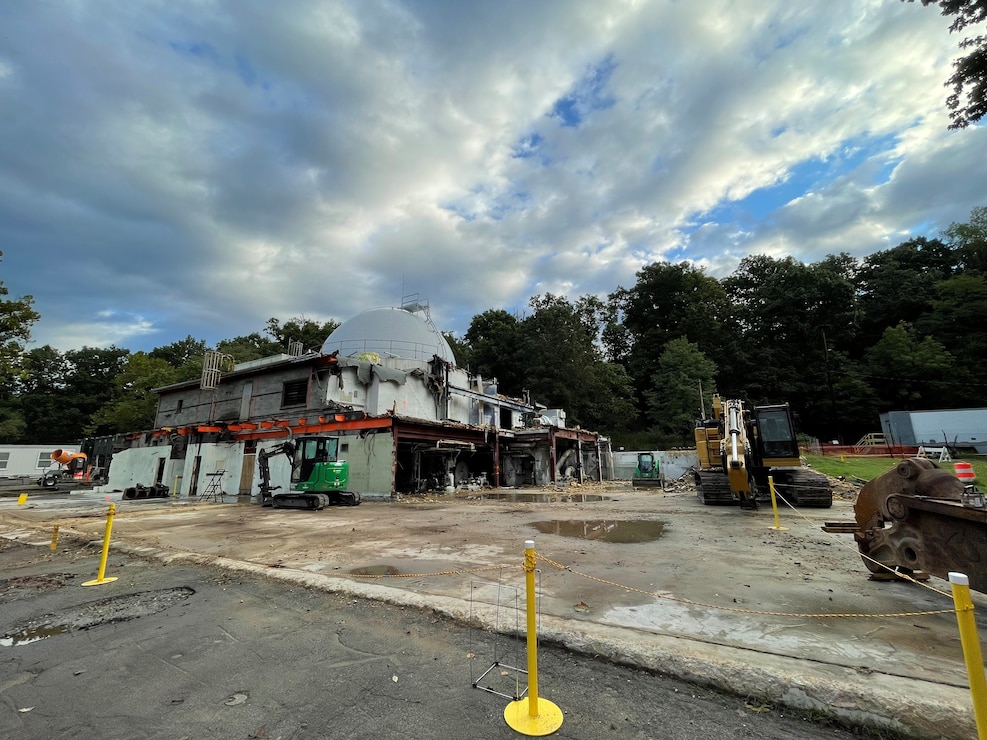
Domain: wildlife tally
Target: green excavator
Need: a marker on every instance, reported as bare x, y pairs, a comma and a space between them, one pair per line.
318, 478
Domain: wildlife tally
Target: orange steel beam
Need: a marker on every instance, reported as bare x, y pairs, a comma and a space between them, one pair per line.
328, 427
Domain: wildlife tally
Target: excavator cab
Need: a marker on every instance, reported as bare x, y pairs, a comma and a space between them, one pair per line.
309, 452
776, 435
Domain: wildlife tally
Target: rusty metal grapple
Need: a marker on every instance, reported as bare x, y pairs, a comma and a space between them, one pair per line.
920, 519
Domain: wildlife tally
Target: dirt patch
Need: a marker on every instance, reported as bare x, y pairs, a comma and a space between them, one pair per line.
22, 587
95, 613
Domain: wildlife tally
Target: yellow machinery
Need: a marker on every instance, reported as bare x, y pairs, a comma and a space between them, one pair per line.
739, 450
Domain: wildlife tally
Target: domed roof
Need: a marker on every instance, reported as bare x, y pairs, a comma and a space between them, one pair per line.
390, 332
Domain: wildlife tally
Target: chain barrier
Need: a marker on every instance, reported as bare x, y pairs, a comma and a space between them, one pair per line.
631, 589
842, 543
690, 602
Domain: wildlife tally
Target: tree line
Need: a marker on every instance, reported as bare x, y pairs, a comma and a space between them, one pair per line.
842, 340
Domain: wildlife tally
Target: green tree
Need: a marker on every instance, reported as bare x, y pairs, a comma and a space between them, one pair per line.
969, 241
492, 342
16, 319
898, 284
250, 347
135, 404
608, 400
673, 402
42, 397
956, 320
563, 366
185, 355
460, 349
968, 102
908, 372
312, 334
788, 317
668, 301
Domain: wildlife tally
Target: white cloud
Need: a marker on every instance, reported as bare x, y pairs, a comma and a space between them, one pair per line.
216, 165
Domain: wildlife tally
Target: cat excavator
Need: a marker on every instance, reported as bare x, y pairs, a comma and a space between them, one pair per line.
740, 449
318, 479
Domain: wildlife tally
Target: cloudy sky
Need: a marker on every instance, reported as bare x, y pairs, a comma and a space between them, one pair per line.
190, 167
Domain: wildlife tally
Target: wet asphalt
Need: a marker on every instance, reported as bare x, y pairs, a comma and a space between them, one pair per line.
181, 651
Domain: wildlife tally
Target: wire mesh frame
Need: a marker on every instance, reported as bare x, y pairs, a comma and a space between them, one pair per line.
518, 632
212, 369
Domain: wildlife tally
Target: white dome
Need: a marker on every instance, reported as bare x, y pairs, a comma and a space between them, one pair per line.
390, 332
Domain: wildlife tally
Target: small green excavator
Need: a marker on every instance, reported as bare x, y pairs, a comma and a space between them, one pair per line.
318, 478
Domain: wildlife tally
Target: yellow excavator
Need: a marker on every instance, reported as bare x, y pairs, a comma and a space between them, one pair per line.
738, 450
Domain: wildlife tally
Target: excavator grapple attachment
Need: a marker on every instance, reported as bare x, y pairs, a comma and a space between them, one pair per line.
920, 519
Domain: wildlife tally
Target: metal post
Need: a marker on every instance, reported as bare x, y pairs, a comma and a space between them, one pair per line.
106, 550
542, 716
54, 538
971, 649
774, 504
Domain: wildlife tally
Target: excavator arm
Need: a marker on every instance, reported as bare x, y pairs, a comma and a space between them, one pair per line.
263, 463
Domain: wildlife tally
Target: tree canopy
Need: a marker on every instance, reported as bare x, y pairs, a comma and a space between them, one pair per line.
841, 339
968, 101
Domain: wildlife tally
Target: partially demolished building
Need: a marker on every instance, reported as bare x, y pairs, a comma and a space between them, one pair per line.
386, 384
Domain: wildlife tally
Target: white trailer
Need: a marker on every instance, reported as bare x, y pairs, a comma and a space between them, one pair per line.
954, 427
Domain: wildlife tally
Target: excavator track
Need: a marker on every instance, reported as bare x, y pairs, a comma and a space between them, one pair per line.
713, 488
345, 498
311, 501
804, 488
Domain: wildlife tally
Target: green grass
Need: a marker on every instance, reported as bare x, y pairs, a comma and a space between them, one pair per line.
866, 468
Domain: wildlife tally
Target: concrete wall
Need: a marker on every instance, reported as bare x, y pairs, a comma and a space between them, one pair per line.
370, 460
671, 463
138, 465
22, 460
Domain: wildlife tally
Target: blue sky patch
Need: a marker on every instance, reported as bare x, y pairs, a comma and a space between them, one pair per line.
527, 146
587, 96
200, 49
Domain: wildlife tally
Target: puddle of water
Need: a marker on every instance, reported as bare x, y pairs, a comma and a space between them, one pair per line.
375, 570
26, 637
604, 530
544, 498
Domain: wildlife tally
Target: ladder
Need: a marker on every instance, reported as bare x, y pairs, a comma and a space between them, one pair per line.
214, 491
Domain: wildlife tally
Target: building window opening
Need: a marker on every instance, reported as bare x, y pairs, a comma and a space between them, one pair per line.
294, 393
178, 408
4, 459
44, 460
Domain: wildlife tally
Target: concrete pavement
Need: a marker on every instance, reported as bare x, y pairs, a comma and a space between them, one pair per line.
715, 596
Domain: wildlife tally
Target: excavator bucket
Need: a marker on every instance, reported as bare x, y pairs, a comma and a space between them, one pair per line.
920, 519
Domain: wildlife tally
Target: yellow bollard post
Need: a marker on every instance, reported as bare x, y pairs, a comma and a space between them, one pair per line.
106, 550
54, 538
774, 505
972, 654
536, 716
22, 499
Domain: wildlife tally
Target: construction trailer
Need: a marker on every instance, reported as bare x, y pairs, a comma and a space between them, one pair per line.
951, 427
30, 461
